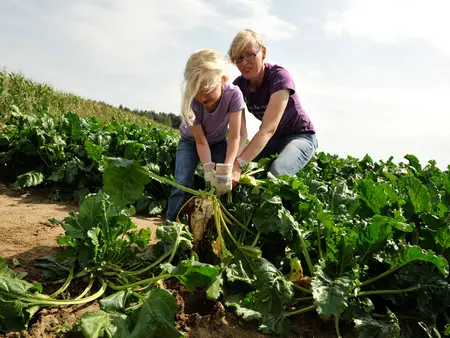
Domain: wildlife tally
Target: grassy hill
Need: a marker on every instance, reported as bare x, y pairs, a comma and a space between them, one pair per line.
31, 96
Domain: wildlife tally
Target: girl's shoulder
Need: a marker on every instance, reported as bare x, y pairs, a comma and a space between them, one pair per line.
233, 97
231, 88
231, 91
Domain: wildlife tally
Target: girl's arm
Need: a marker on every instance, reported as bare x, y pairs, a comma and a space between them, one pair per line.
201, 143
243, 140
272, 116
234, 132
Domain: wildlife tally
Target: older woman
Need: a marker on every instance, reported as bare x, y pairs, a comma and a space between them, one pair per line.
270, 95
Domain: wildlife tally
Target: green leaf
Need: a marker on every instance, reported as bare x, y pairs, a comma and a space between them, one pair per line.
175, 232
246, 258
216, 289
29, 179
243, 306
418, 194
278, 325
93, 324
274, 291
124, 180
378, 230
155, 207
156, 317
19, 300
193, 273
94, 151
74, 125
414, 162
368, 327
115, 301
330, 295
236, 272
375, 195
272, 216
413, 253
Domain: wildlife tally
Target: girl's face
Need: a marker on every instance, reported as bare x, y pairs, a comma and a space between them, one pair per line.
210, 99
251, 62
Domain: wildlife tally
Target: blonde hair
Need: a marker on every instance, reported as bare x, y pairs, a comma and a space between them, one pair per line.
203, 71
241, 40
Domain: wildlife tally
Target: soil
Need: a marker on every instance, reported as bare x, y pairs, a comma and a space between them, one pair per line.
26, 234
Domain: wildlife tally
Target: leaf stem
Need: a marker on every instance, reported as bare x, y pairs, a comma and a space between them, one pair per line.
58, 302
301, 288
365, 254
84, 293
42, 158
302, 299
234, 219
184, 205
305, 252
217, 221
384, 274
387, 292
138, 283
65, 285
224, 224
301, 311
151, 266
319, 240
336, 325
256, 238
176, 185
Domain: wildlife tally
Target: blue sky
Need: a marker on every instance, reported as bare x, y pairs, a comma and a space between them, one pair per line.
374, 76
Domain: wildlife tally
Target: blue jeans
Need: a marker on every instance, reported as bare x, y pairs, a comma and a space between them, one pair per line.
185, 164
295, 151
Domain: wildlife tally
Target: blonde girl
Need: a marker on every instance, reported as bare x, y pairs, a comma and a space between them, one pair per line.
271, 97
211, 108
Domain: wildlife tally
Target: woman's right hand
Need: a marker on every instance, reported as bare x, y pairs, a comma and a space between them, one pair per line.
236, 174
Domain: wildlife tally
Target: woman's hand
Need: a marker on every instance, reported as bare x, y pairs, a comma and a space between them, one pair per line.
236, 173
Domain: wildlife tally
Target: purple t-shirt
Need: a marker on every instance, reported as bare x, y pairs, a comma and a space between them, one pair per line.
294, 119
215, 124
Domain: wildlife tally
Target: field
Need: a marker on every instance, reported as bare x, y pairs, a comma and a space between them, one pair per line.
347, 248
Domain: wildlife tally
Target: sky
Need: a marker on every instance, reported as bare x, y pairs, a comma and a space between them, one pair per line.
373, 76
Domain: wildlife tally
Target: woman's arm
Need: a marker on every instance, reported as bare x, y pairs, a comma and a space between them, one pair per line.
244, 135
272, 116
201, 143
234, 132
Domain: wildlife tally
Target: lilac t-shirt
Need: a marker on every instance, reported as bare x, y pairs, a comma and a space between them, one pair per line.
215, 124
294, 119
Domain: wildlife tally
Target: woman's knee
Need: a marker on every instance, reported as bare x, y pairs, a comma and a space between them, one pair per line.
294, 157
280, 167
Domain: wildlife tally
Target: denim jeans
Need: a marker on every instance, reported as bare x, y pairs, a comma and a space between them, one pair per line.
294, 153
185, 164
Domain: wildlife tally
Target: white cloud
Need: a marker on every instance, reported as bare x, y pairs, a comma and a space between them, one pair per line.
258, 15
132, 36
379, 121
393, 21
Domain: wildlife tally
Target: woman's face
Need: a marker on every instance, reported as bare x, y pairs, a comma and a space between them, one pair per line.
251, 62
